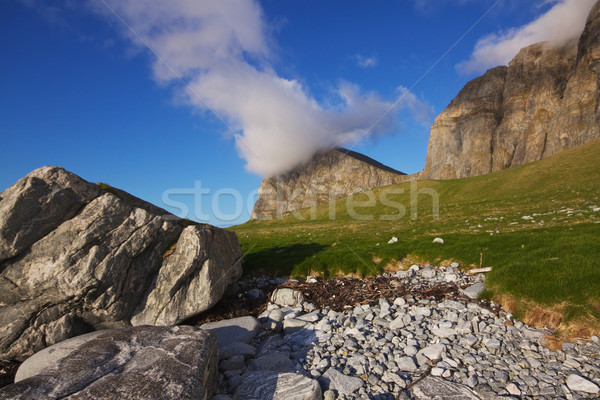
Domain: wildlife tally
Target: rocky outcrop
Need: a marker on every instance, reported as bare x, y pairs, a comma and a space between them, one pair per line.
134, 363
330, 175
544, 102
76, 257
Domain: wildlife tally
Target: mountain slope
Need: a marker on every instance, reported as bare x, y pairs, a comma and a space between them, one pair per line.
536, 224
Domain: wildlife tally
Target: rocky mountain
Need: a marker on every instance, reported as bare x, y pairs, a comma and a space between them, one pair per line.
544, 102
329, 175
75, 257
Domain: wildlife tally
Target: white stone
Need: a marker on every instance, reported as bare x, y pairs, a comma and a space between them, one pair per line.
400, 301
397, 323
394, 239
438, 240
473, 291
513, 389
406, 364
286, 297
444, 332
434, 351
424, 311
580, 384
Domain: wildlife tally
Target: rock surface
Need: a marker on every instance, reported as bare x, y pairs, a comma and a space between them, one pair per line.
328, 176
544, 102
133, 363
44, 358
77, 257
441, 389
277, 386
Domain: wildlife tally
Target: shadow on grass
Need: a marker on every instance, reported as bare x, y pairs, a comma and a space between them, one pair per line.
280, 261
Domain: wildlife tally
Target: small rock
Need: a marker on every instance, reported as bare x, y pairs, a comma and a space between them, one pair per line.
335, 380
438, 240
293, 325
236, 348
434, 351
513, 389
276, 362
473, 291
286, 297
428, 273
233, 363
394, 239
406, 364
444, 332
242, 329
329, 395
255, 295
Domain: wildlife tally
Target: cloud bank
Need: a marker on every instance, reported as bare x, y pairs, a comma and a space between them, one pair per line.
220, 55
561, 23
366, 62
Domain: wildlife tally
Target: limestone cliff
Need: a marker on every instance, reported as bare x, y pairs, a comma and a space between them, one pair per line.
328, 175
75, 257
544, 102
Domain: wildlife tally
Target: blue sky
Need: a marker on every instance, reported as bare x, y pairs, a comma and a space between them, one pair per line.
80, 89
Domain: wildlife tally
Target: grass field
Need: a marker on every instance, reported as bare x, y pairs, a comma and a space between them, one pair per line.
537, 225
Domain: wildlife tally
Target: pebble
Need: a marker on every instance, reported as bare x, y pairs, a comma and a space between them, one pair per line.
379, 350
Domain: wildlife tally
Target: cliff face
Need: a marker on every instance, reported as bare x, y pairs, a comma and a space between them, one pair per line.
329, 175
544, 102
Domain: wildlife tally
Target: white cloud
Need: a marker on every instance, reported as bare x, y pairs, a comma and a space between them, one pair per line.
222, 51
561, 23
365, 62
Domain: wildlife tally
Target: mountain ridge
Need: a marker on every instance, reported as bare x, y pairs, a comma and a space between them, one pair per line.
329, 175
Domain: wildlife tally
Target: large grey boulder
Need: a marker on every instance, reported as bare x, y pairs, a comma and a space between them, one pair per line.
277, 386
77, 257
134, 363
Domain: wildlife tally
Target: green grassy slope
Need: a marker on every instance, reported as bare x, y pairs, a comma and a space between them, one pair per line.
537, 225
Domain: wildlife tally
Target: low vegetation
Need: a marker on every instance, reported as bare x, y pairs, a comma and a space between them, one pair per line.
537, 225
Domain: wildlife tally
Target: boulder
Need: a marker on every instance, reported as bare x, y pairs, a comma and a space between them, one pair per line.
77, 257
277, 386
133, 363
